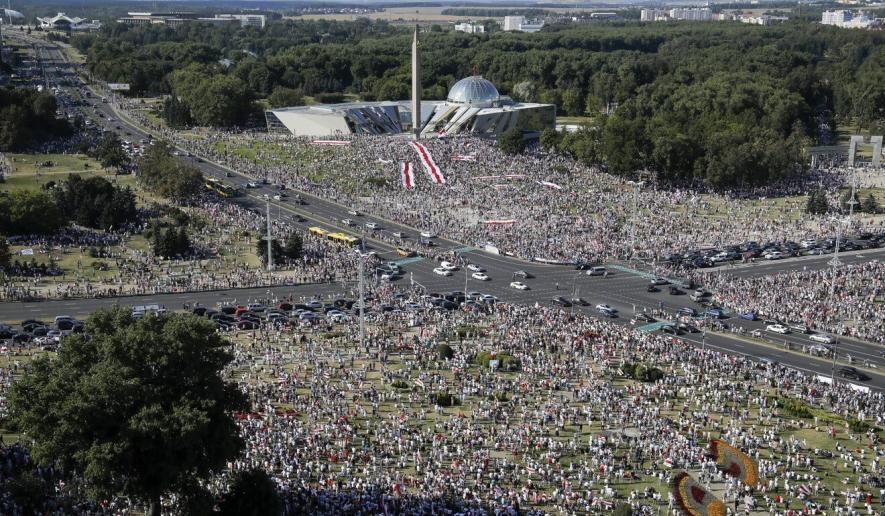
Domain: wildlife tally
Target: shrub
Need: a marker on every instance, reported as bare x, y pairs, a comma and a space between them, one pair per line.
443, 399
445, 351
794, 408
482, 358
859, 427
400, 384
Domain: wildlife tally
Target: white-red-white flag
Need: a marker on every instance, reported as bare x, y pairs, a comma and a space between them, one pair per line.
429, 165
407, 175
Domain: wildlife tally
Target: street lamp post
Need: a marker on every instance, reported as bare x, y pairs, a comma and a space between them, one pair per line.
835, 265
637, 185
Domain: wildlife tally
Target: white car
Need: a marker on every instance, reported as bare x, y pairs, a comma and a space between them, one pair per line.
479, 276
372, 225
428, 234
475, 268
449, 266
774, 255
354, 213
778, 328
251, 184
659, 281
278, 197
518, 285
442, 272
398, 234
347, 222
822, 338
388, 276
488, 298
604, 307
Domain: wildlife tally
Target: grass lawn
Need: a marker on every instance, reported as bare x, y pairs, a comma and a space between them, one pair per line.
575, 120
33, 171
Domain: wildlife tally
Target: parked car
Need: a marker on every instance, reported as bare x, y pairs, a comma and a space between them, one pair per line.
778, 328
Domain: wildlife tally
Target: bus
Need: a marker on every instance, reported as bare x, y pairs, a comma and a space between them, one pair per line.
317, 231
344, 238
222, 189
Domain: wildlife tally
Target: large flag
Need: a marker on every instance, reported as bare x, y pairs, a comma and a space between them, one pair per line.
407, 175
331, 142
429, 165
463, 157
693, 499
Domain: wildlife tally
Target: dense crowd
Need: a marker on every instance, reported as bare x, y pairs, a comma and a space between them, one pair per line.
852, 305
141, 272
555, 207
340, 433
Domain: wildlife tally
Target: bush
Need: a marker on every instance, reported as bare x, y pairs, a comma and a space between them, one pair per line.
794, 408
505, 362
443, 399
642, 372
859, 427
400, 384
482, 358
329, 98
445, 351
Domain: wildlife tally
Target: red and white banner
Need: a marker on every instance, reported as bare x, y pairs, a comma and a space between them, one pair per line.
331, 142
548, 184
429, 165
463, 157
500, 222
407, 175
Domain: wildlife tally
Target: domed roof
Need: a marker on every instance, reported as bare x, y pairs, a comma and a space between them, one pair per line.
473, 90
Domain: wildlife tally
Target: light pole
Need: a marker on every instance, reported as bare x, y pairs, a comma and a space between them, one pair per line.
835, 265
637, 185
362, 262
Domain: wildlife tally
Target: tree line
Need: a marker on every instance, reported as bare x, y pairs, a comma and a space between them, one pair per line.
724, 103
27, 118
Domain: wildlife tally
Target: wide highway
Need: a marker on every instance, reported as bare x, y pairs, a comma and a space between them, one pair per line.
623, 289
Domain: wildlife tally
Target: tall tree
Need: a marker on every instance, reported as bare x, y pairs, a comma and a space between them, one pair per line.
5, 254
138, 409
252, 493
511, 141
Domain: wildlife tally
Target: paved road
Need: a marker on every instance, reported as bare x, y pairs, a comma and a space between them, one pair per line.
624, 289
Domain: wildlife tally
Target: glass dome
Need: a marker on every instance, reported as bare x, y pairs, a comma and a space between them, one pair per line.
473, 90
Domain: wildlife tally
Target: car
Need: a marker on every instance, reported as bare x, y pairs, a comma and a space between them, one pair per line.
597, 271
408, 253
399, 234
480, 276
426, 242
389, 276
799, 328
488, 298
774, 255
561, 301
767, 360
676, 291
449, 266
716, 313
582, 266
580, 301
522, 274
428, 234
688, 328
518, 285
822, 338
687, 310
475, 268
778, 328
756, 333
670, 329
659, 281
603, 306
851, 373
353, 213
251, 184
278, 197
652, 288
373, 225
748, 315
643, 317
442, 272
820, 350
347, 222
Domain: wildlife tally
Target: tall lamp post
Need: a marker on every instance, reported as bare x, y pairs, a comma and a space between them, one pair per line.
637, 185
834, 263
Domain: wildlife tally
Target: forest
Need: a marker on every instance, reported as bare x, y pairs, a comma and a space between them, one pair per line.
723, 103
27, 118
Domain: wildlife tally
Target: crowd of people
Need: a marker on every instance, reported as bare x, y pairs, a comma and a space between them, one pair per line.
139, 271
849, 306
553, 206
345, 428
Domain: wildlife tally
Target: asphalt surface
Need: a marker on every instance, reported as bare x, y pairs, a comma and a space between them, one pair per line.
624, 289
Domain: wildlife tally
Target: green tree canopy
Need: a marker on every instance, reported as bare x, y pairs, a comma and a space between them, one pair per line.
511, 141
138, 409
252, 493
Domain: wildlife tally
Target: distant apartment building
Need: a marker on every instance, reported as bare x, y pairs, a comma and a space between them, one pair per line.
173, 19
651, 15
846, 19
470, 28
520, 24
691, 14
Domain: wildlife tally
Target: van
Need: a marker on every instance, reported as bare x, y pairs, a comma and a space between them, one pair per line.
596, 271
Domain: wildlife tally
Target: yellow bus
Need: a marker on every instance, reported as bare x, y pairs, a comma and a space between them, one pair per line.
344, 238
317, 231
